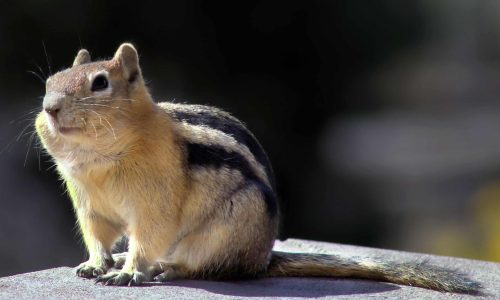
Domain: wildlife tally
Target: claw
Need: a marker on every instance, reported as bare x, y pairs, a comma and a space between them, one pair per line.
160, 278
97, 272
98, 279
121, 278
137, 279
86, 270
132, 282
167, 275
109, 282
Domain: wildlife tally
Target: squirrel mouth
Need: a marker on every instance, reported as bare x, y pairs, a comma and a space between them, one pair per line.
68, 130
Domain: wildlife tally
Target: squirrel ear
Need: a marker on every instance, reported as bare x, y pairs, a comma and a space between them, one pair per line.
129, 60
82, 57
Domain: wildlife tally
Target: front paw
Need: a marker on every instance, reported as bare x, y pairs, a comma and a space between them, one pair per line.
88, 270
122, 278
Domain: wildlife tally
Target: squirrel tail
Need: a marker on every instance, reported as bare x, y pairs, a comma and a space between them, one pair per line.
419, 274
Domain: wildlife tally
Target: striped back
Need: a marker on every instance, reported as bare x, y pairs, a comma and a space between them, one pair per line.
216, 155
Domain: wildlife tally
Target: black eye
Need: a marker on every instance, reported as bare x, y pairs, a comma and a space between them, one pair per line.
100, 83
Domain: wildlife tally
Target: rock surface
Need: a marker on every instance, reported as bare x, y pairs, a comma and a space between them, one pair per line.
62, 283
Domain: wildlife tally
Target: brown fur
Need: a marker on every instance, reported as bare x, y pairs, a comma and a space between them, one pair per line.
125, 162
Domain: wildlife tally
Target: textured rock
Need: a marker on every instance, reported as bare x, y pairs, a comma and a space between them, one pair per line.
62, 283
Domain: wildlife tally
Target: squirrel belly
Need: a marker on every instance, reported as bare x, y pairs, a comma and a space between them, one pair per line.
189, 185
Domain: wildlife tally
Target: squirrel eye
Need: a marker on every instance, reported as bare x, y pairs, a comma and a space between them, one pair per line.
99, 83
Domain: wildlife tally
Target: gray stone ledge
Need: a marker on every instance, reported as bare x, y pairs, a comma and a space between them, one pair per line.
62, 283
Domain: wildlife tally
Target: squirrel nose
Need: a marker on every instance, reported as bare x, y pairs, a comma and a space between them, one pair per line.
52, 111
52, 103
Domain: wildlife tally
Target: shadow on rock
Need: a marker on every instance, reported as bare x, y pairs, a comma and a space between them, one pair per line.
287, 287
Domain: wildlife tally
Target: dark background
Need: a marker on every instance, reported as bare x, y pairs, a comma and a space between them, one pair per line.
381, 118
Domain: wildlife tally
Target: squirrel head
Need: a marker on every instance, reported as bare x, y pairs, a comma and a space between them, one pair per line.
94, 107
94, 98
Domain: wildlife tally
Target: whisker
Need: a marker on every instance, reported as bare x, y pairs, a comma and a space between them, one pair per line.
69, 154
51, 167
125, 99
111, 126
95, 130
84, 98
22, 132
85, 106
28, 133
113, 100
19, 120
96, 104
105, 98
41, 72
37, 75
47, 58
25, 116
38, 151
101, 117
29, 146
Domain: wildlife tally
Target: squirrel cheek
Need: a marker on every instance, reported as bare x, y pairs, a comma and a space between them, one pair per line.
42, 127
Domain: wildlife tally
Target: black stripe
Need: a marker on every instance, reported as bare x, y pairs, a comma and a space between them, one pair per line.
218, 157
216, 119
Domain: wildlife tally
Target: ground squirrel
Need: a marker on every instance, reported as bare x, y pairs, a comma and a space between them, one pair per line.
189, 185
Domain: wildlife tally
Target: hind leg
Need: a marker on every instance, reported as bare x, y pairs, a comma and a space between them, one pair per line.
163, 272
235, 243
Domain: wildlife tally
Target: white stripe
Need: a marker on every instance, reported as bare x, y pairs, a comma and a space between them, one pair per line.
212, 137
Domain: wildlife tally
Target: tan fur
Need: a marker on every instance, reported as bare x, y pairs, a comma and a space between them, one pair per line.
125, 169
124, 160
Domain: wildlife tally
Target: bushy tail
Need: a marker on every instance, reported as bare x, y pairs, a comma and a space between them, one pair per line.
419, 274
